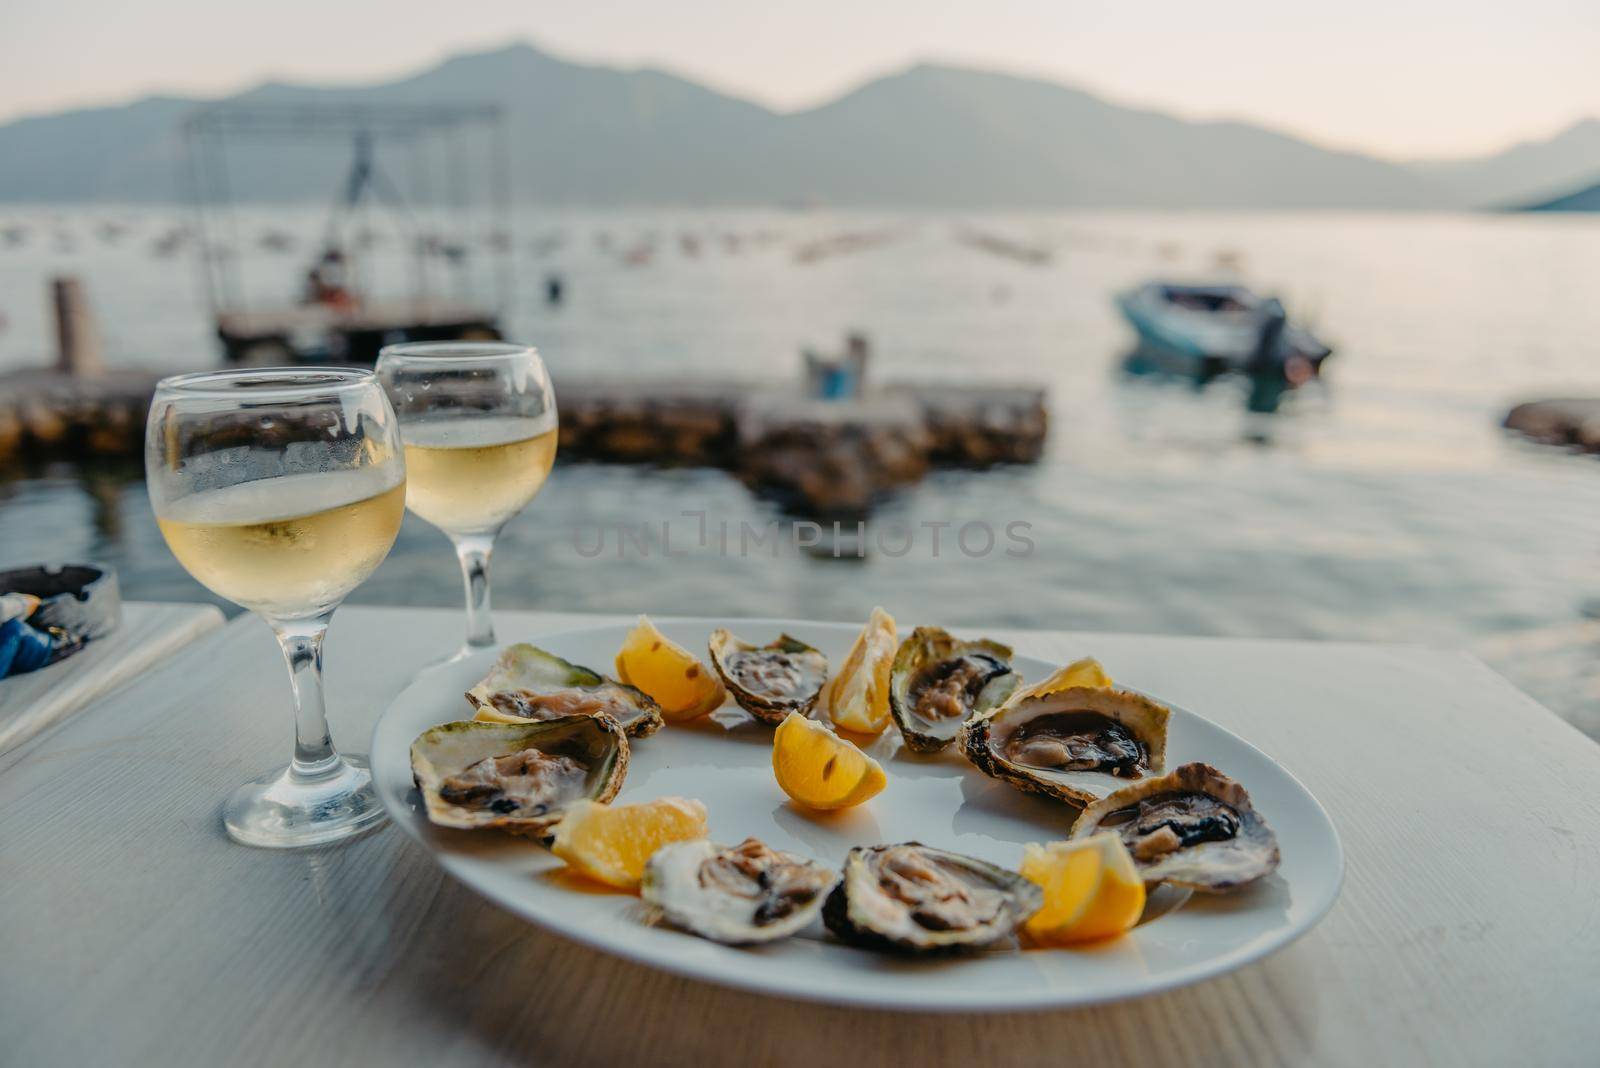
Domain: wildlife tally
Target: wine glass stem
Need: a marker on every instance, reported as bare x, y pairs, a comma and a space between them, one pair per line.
474, 550
301, 641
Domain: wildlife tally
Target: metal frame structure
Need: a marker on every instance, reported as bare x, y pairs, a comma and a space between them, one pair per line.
437, 142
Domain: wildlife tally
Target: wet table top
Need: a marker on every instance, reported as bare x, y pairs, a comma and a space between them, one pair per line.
135, 933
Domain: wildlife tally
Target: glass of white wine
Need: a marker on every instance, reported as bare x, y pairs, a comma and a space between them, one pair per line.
479, 423
281, 490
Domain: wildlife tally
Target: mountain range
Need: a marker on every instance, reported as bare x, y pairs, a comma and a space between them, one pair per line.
927, 136
1586, 199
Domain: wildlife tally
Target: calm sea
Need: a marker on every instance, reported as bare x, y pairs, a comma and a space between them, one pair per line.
1386, 506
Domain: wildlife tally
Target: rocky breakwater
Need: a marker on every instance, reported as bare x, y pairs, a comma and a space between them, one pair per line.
831, 458
1572, 423
665, 421
825, 458
52, 415
817, 457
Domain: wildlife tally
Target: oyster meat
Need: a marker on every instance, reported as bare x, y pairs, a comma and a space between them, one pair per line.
938, 683
518, 777
1077, 743
1194, 827
739, 895
769, 681
917, 899
529, 683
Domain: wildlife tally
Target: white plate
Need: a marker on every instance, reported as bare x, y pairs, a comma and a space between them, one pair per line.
725, 761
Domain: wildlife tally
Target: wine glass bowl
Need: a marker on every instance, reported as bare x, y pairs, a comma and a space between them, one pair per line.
282, 490
480, 429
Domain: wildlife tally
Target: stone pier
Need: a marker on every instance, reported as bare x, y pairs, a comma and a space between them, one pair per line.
825, 458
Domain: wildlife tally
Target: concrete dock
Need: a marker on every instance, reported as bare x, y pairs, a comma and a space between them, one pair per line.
824, 458
50, 415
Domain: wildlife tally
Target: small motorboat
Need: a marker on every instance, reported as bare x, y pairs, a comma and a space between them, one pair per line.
1204, 331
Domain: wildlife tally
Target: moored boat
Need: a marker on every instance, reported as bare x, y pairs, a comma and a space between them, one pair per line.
1209, 330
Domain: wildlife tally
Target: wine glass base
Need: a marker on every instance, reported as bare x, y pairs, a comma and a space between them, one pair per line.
452, 658
287, 811
459, 655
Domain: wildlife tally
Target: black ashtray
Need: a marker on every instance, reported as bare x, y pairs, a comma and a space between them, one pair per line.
80, 600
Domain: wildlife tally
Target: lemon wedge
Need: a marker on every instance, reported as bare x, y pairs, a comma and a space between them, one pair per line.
683, 687
819, 769
858, 697
1084, 672
612, 843
1092, 890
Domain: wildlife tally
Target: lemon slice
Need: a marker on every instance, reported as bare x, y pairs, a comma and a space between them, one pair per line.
612, 843
858, 697
1091, 890
683, 687
819, 769
1084, 672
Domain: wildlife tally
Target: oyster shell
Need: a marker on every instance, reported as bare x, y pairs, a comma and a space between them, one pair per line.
769, 681
938, 683
739, 895
917, 899
527, 683
1075, 743
1194, 827
518, 777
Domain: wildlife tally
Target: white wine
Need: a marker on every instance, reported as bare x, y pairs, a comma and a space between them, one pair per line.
468, 476
287, 547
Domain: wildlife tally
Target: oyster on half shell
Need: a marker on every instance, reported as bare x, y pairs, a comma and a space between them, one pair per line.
917, 899
527, 683
938, 682
1074, 743
1194, 827
769, 681
739, 894
518, 777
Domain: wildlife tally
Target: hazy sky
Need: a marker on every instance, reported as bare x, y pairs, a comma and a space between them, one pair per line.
1397, 77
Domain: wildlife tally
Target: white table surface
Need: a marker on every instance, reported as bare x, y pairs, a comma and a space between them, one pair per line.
133, 932
148, 633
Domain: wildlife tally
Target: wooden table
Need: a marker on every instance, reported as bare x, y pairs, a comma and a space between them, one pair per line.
148, 634
135, 933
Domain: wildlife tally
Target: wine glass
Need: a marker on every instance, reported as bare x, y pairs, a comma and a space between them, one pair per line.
282, 489
479, 423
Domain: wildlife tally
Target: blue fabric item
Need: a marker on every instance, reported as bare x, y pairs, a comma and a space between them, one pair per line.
22, 648
838, 384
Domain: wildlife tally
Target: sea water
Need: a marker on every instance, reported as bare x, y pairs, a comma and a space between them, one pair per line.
1385, 506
